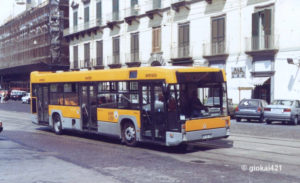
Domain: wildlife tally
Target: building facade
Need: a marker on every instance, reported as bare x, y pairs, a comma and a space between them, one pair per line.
33, 41
251, 39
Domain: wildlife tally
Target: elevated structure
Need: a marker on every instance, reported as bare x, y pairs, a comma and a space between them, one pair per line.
33, 41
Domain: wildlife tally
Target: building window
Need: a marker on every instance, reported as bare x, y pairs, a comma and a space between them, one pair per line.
87, 55
262, 37
133, 9
156, 4
75, 19
156, 39
183, 40
218, 35
116, 50
115, 10
134, 47
99, 53
99, 12
86, 14
75, 57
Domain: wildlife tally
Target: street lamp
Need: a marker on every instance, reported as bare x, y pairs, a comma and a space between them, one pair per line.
20, 2
291, 61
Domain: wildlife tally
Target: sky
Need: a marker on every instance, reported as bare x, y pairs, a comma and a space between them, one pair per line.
8, 8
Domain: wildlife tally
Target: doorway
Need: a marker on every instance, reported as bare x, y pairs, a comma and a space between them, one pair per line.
153, 113
88, 106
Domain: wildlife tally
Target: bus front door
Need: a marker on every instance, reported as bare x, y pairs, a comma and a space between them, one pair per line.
43, 102
152, 111
88, 105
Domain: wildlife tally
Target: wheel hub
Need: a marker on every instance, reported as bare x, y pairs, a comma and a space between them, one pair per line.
129, 133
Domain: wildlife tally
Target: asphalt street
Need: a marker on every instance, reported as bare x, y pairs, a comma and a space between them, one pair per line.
253, 153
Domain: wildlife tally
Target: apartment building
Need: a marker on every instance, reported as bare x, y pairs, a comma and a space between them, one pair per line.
33, 41
255, 41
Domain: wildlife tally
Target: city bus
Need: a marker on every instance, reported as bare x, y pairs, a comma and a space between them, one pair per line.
163, 105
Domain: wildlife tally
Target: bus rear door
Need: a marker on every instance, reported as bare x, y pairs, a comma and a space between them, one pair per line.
153, 114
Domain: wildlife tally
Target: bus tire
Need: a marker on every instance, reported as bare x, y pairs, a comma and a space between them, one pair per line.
129, 134
57, 125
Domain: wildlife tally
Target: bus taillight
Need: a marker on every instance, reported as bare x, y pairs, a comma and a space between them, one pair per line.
183, 128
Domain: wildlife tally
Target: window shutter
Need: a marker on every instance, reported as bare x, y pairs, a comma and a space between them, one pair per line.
134, 2
180, 36
137, 42
255, 21
221, 28
86, 14
75, 18
99, 10
267, 21
75, 55
99, 52
214, 30
158, 32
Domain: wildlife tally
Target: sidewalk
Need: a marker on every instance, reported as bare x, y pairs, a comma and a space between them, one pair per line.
20, 164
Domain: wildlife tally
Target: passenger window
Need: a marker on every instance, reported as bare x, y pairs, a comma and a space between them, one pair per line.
71, 94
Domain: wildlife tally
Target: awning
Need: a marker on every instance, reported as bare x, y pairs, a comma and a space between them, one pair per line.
258, 81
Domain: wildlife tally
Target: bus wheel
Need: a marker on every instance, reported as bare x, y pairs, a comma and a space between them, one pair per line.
57, 126
129, 134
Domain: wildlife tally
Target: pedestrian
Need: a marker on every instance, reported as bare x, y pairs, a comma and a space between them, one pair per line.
2, 97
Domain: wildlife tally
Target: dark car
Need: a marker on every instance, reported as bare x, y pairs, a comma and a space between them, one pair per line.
250, 109
1, 127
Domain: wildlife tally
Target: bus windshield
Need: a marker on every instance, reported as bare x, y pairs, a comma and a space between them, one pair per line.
199, 101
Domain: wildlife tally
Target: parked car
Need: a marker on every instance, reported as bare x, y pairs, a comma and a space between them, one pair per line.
17, 94
1, 126
287, 111
213, 101
250, 109
26, 98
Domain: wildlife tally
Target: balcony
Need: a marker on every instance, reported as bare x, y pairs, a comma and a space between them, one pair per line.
154, 8
114, 61
113, 19
181, 55
132, 13
87, 27
96, 63
177, 4
133, 59
216, 51
266, 45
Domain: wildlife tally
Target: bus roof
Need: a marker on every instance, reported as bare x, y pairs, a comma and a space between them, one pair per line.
167, 73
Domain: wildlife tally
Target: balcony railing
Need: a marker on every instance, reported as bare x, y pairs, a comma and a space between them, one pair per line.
259, 43
216, 48
84, 26
132, 11
184, 51
133, 57
179, 1
154, 4
114, 59
113, 17
87, 63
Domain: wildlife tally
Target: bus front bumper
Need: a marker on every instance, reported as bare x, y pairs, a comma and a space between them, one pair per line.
175, 138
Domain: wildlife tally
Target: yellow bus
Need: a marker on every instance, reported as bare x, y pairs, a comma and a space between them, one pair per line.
164, 105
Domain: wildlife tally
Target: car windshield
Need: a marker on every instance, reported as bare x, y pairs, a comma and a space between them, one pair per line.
249, 103
283, 102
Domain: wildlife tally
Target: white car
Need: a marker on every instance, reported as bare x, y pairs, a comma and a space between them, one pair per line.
26, 98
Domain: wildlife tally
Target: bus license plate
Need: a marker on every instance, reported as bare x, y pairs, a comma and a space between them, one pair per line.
206, 136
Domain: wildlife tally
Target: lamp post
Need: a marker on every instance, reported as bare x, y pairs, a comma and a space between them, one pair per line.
291, 61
